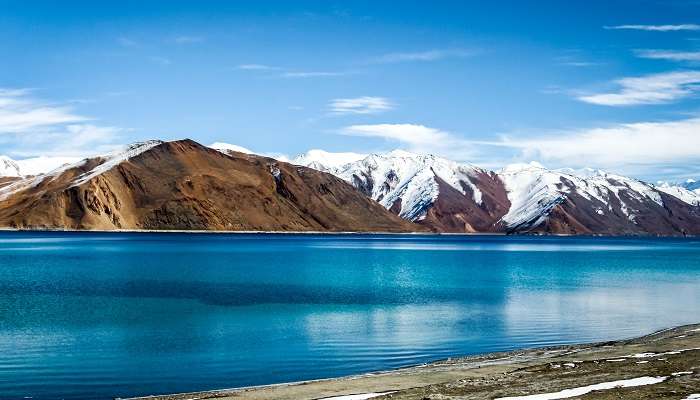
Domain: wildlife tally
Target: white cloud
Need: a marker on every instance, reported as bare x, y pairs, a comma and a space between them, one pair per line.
407, 133
86, 134
360, 105
286, 73
417, 138
311, 74
78, 140
649, 89
31, 127
621, 147
575, 58
658, 28
19, 114
652, 149
671, 55
257, 67
429, 55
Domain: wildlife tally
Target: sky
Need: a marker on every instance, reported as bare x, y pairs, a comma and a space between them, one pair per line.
611, 85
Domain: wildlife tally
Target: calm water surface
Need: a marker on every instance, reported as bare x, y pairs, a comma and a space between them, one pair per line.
95, 316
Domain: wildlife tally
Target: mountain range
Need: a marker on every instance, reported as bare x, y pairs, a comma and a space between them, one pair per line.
185, 185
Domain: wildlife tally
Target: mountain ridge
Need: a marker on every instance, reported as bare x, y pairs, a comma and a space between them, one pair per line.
537, 199
139, 187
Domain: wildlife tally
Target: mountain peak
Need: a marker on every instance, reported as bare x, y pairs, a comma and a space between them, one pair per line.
404, 153
225, 147
408, 183
520, 167
325, 160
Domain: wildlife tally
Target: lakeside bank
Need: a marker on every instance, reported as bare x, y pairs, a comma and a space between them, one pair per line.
661, 365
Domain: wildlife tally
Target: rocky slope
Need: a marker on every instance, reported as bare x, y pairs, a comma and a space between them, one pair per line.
184, 185
446, 196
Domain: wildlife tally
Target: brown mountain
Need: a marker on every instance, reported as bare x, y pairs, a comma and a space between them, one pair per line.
184, 185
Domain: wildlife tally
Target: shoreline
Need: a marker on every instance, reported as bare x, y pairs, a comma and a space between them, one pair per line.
548, 369
341, 233
200, 231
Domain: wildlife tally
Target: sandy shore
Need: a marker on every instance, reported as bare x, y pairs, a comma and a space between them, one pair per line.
662, 365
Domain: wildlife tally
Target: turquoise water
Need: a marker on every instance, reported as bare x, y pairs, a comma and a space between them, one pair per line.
98, 315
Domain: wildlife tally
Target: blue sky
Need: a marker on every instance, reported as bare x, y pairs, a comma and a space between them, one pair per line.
564, 83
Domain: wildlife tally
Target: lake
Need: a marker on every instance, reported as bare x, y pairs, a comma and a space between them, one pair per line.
101, 315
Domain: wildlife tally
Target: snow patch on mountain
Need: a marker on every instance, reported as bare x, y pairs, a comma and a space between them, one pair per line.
33, 181
115, 158
225, 147
9, 167
687, 196
325, 161
32, 166
18, 186
43, 164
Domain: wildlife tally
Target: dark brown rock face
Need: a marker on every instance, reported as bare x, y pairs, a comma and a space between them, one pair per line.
455, 212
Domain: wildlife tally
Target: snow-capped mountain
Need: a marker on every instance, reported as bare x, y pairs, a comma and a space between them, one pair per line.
454, 197
325, 161
32, 166
9, 167
439, 193
534, 191
408, 181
